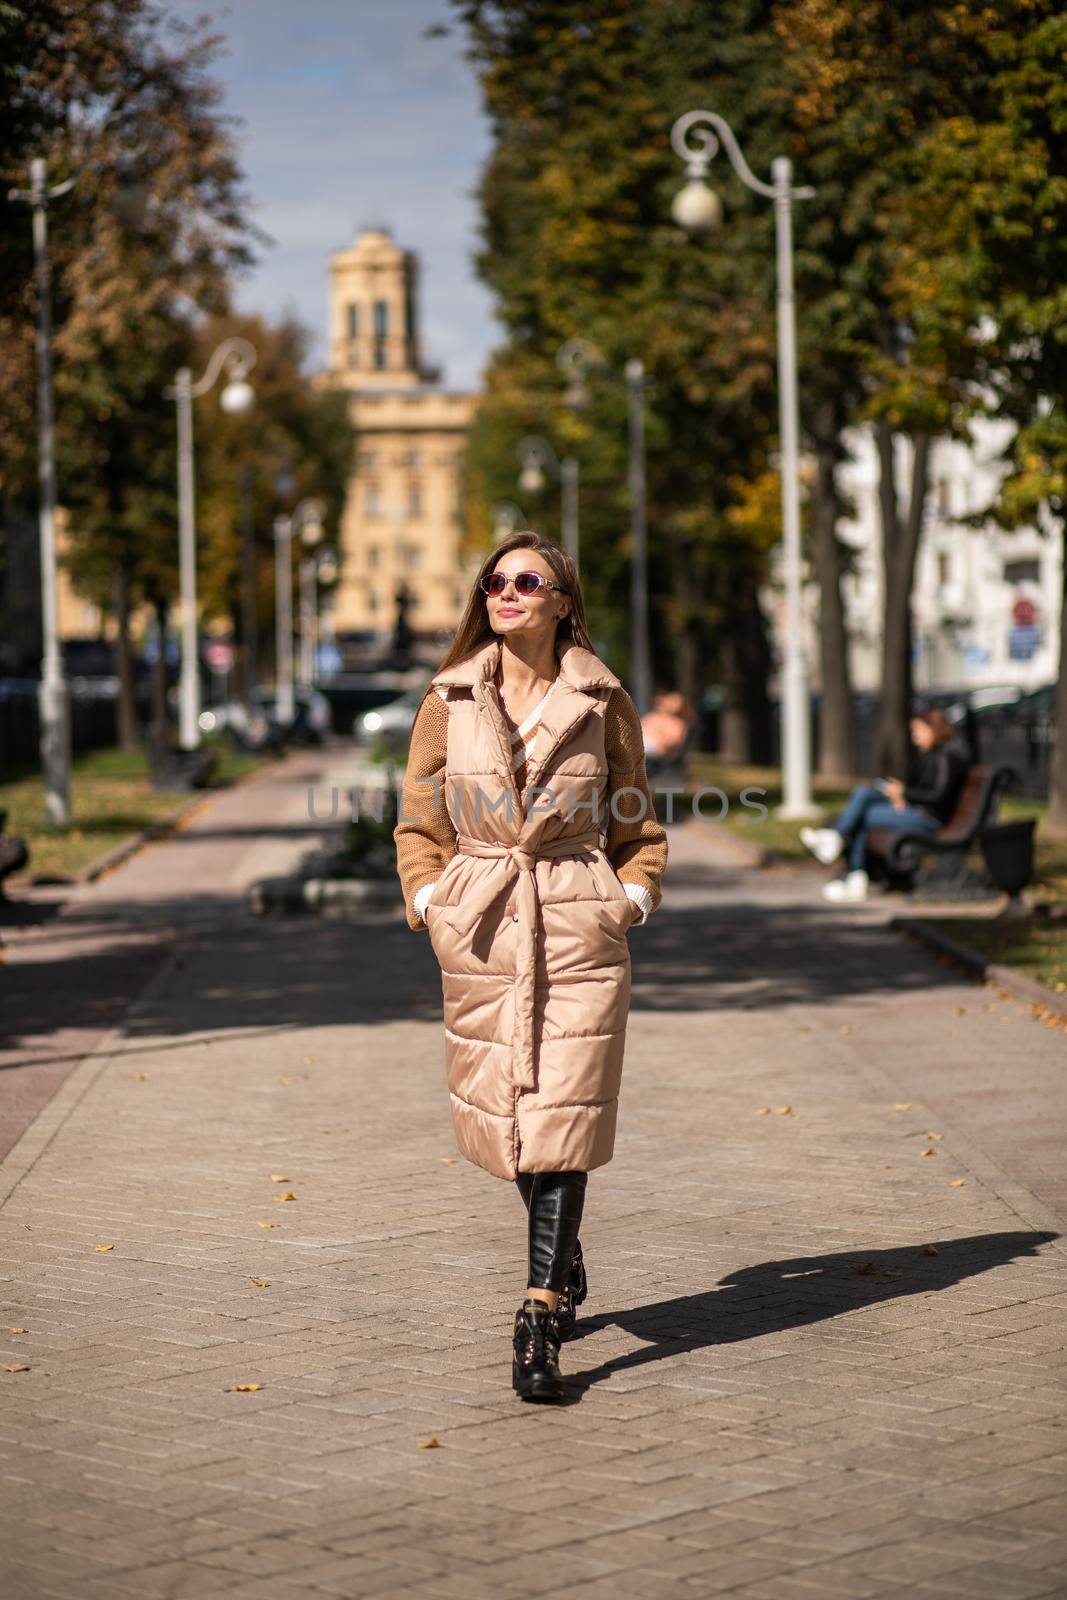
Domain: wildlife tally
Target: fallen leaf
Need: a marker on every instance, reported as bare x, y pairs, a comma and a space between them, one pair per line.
902, 1105
929, 1151
432, 1443
931, 1250
279, 1177
865, 1268
281, 1198
846, 1027
309, 1061
782, 1111
17, 1366
764, 1111
267, 1224
260, 1283
102, 1247
287, 1080
16, 1330
957, 1183
959, 1011
936, 1137
244, 1388
887, 1169
140, 1077
449, 1161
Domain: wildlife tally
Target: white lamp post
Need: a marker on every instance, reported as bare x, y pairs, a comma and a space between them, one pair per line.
305, 523
538, 458
507, 517
576, 359
238, 357
698, 209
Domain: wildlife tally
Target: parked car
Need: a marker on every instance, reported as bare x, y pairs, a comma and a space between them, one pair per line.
392, 722
254, 724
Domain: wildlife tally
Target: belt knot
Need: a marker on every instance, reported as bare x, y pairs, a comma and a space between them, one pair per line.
523, 859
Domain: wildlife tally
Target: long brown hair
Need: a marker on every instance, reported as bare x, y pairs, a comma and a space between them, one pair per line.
474, 628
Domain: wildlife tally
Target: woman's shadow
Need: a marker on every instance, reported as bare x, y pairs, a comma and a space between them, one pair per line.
789, 1294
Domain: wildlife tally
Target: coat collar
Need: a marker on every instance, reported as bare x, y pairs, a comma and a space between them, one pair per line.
579, 668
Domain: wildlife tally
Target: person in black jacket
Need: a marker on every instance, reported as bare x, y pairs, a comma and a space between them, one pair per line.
923, 802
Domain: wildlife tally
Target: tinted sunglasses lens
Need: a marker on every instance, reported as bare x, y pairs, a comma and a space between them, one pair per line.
495, 583
528, 582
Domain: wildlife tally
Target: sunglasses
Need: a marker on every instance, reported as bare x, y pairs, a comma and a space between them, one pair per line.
525, 583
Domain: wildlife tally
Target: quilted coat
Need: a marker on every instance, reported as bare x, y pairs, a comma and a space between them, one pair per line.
528, 920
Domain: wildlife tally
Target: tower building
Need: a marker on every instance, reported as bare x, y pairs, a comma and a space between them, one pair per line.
402, 523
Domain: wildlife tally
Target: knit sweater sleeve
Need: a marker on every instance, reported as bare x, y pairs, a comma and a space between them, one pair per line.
636, 841
424, 836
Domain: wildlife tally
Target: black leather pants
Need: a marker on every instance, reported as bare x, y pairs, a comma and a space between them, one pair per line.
554, 1201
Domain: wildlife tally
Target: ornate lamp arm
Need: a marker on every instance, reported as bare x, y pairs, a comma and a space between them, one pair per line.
708, 128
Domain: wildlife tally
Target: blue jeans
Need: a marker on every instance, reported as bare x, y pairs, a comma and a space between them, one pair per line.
867, 808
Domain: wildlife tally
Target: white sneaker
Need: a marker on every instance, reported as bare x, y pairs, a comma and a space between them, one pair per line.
825, 844
848, 890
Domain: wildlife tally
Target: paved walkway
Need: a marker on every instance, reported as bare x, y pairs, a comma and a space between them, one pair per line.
815, 1360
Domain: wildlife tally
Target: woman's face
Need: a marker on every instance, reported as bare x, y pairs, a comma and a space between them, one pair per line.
922, 735
531, 615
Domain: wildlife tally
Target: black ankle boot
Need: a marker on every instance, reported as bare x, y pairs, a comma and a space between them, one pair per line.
572, 1295
535, 1371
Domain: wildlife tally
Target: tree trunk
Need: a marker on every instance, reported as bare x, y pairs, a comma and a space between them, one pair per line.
127, 702
745, 719
1057, 799
900, 547
837, 721
159, 674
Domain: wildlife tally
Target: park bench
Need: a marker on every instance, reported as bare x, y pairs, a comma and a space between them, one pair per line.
176, 771
13, 852
896, 856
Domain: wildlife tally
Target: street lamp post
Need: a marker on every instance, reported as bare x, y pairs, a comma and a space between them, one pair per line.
507, 517
305, 523
576, 359
538, 457
238, 357
698, 209
54, 695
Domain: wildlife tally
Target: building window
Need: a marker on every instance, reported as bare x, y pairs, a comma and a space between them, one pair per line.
379, 355
414, 557
368, 458
353, 322
944, 568
381, 319
944, 500
372, 555
411, 459
1022, 571
372, 600
415, 500
372, 503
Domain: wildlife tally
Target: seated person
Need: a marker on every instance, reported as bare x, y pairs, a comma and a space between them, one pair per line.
665, 728
921, 804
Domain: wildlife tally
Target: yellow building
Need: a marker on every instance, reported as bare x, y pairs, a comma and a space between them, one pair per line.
402, 526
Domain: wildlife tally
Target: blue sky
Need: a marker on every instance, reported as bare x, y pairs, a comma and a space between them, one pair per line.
349, 116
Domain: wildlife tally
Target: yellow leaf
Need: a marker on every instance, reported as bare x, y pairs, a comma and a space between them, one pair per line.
782, 1111
931, 1250
887, 1169
279, 1177
959, 1011
449, 1161
957, 1183
309, 1061
18, 1366
287, 1080
16, 1330
260, 1283
244, 1388
929, 1151
141, 1077
936, 1137
902, 1105
432, 1443
267, 1224
279, 1199
102, 1247
764, 1111
846, 1027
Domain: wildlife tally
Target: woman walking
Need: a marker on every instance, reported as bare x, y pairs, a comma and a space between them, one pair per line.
528, 846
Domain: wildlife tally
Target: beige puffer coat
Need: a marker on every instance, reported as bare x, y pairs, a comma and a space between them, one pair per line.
529, 920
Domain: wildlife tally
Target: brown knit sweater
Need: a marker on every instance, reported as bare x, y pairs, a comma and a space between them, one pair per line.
426, 839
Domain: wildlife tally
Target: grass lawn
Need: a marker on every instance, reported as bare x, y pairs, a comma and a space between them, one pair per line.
1035, 945
112, 799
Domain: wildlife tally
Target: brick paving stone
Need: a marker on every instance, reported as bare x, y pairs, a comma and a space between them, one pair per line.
751, 1415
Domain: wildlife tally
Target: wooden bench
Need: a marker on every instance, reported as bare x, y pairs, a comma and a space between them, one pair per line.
896, 855
176, 771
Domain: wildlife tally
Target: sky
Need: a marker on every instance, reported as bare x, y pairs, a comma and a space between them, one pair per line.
349, 116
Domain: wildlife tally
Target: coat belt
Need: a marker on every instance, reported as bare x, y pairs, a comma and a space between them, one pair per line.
517, 862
